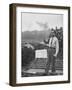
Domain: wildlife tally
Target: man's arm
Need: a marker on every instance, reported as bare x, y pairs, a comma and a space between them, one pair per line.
57, 48
49, 44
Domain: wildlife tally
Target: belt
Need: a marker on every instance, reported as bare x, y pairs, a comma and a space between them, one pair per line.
52, 47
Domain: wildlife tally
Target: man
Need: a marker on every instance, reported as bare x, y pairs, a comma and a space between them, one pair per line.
53, 49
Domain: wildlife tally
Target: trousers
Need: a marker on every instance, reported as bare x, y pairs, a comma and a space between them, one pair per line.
51, 60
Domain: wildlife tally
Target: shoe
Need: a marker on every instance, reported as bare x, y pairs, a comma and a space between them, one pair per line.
53, 73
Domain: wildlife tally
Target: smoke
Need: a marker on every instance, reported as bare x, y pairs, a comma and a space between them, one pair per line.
44, 26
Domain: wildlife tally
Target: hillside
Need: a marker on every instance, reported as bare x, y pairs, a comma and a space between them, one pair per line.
35, 35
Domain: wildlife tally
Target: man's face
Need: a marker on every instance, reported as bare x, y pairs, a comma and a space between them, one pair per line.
52, 34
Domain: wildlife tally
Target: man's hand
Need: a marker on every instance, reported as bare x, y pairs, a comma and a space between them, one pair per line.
54, 55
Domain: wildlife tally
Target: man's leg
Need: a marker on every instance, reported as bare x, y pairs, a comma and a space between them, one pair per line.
53, 64
48, 65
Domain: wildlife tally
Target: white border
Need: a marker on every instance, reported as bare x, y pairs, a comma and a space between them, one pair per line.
64, 77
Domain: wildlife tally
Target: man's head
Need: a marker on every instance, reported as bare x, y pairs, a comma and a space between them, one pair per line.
52, 33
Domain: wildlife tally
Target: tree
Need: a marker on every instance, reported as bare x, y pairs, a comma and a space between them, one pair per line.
59, 35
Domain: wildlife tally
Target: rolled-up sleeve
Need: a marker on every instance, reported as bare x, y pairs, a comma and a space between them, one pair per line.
57, 47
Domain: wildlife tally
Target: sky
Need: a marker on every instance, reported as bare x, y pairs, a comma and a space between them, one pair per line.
36, 21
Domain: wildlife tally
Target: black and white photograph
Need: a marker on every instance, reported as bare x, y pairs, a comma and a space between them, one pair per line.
41, 44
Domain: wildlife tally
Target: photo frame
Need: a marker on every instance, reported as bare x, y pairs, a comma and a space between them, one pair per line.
31, 58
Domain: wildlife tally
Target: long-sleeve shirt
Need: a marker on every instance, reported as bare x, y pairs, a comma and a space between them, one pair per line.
53, 42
